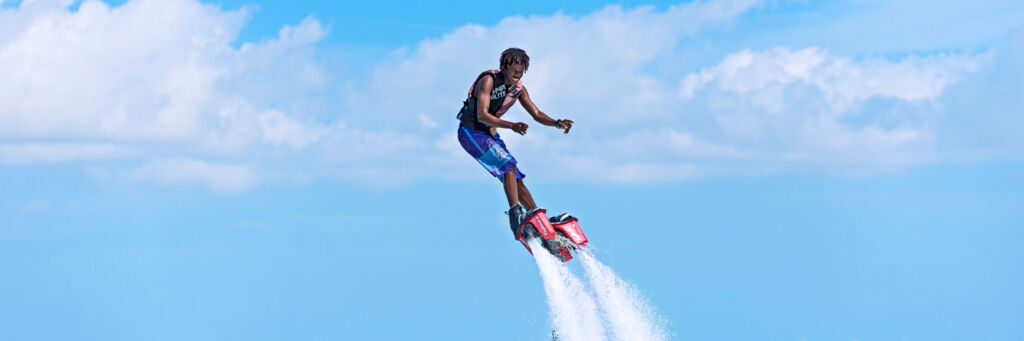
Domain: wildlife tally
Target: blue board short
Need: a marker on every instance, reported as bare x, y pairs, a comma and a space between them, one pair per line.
489, 151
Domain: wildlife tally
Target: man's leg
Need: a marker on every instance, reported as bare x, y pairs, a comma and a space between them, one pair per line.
511, 188
515, 212
524, 196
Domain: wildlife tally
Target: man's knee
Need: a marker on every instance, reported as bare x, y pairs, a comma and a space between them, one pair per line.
510, 176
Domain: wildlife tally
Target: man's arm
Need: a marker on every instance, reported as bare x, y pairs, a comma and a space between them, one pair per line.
540, 116
483, 103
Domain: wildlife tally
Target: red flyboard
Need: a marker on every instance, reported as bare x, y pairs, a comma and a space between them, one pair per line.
539, 223
549, 230
571, 229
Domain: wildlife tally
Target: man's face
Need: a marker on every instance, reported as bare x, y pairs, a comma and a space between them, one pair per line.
514, 73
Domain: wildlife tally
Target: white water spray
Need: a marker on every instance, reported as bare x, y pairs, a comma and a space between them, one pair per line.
573, 312
630, 316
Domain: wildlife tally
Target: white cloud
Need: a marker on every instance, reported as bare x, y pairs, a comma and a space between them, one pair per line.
771, 109
55, 153
650, 172
281, 130
426, 121
165, 73
152, 81
669, 142
587, 65
589, 68
810, 106
161, 84
352, 145
982, 117
139, 71
145, 71
177, 172
839, 78
592, 168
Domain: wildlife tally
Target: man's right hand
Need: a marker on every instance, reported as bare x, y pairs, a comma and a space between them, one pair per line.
520, 128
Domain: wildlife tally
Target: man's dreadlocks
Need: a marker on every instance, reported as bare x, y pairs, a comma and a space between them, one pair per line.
514, 55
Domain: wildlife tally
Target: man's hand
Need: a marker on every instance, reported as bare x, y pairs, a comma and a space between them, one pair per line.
564, 124
520, 128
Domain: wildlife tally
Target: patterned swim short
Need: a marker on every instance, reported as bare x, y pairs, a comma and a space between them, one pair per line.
489, 151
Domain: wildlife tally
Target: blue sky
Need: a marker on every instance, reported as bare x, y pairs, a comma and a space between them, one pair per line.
780, 170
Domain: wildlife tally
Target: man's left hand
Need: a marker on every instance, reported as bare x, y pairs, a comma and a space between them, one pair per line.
564, 124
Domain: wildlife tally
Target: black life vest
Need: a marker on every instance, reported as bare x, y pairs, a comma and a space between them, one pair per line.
502, 98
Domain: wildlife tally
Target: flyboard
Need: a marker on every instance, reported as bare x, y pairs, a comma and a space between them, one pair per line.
560, 235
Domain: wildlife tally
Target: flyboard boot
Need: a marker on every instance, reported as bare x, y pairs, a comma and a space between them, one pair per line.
559, 235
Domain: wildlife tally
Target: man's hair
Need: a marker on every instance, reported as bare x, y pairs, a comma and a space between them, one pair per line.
514, 55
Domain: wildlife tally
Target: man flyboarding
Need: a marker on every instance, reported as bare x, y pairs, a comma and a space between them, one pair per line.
491, 95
